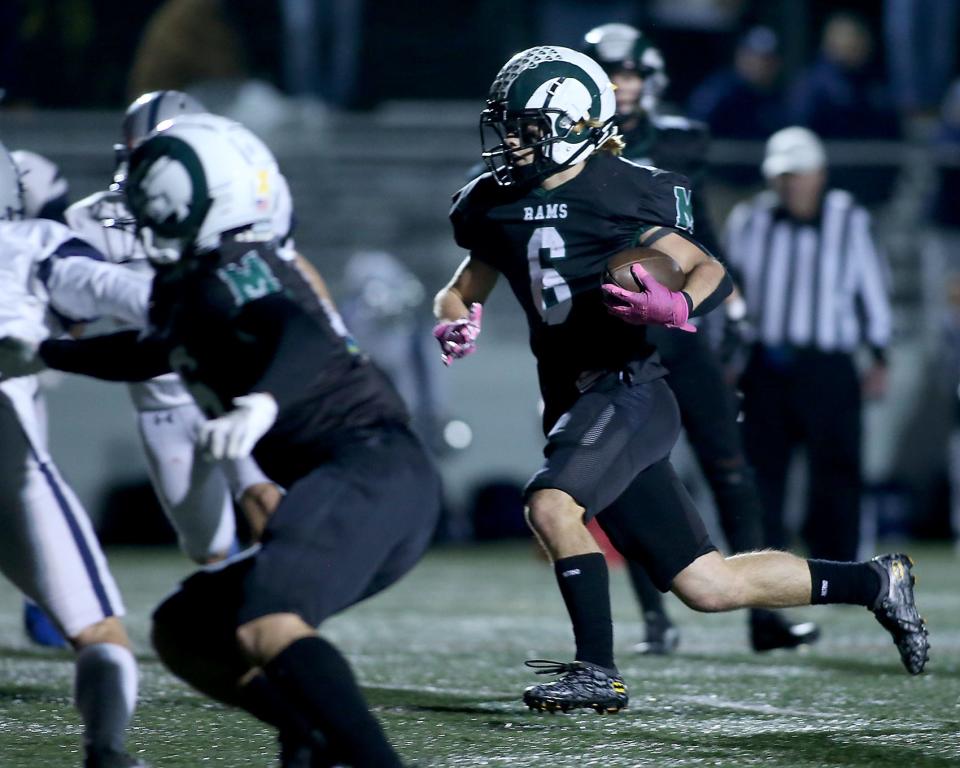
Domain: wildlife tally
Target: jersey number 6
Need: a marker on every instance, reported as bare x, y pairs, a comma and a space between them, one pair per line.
551, 294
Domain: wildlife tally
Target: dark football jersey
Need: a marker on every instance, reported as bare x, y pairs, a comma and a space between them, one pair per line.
552, 246
244, 319
679, 145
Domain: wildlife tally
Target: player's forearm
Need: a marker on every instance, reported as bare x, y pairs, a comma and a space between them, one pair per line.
449, 305
120, 356
708, 284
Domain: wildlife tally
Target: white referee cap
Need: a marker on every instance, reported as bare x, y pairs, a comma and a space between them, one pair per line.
793, 150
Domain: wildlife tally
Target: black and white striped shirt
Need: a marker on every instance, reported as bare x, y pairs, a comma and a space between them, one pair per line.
820, 284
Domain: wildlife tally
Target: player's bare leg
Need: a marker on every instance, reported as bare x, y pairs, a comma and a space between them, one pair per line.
105, 692
772, 579
581, 571
257, 503
557, 521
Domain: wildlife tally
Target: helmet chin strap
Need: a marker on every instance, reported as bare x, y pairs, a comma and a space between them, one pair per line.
159, 250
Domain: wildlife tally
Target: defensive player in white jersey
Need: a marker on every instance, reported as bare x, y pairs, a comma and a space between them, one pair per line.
196, 494
51, 282
45, 196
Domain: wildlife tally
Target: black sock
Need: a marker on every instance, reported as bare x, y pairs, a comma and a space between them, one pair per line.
585, 586
262, 699
317, 680
833, 582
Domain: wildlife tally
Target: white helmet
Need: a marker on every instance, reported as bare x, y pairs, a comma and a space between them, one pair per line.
44, 188
196, 178
11, 193
555, 101
142, 117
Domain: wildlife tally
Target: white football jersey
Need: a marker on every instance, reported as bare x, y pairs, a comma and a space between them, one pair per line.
50, 279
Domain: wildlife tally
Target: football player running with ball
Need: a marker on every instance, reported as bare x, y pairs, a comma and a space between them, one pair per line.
707, 406
556, 204
263, 356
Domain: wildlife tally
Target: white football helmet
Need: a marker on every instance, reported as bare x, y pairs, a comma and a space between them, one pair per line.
11, 192
552, 101
142, 117
197, 178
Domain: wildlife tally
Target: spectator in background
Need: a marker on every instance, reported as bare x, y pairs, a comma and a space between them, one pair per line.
187, 41
744, 101
816, 290
839, 96
921, 51
945, 211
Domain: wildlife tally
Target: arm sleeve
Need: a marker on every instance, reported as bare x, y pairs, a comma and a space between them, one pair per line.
82, 289
872, 288
715, 299
124, 356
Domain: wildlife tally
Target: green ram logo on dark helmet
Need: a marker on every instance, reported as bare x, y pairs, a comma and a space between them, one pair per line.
167, 188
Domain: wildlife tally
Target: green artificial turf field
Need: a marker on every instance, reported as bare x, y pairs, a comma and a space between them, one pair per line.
440, 657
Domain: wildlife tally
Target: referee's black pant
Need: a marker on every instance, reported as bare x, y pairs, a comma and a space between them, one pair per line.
801, 396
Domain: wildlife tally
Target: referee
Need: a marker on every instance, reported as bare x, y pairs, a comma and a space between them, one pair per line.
816, 290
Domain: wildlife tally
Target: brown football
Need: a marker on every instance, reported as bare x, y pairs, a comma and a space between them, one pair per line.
665, 269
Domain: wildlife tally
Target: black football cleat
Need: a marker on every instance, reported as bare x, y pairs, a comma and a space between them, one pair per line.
582, 686
661, 636
109, 758
896, 610
770, 630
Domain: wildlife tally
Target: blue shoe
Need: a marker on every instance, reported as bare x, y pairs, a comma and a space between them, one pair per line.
40, 629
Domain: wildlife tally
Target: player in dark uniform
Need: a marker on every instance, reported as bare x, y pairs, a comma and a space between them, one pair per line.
234, 316
556, 204
707, 406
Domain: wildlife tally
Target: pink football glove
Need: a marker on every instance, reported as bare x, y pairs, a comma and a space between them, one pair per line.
654, 305
458, 338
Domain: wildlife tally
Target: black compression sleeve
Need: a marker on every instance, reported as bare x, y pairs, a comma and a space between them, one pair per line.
123, 356
716, 298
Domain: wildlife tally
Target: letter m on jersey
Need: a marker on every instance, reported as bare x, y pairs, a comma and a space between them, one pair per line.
684, 208
250, 279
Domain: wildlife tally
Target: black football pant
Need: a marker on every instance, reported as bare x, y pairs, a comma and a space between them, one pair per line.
805, 397
708, 412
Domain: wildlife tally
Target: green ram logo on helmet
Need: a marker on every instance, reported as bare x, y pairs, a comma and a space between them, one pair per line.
520, 78
167, 188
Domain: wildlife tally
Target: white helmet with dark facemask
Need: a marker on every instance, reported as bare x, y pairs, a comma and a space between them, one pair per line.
549, 103
197, 179
11, 192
